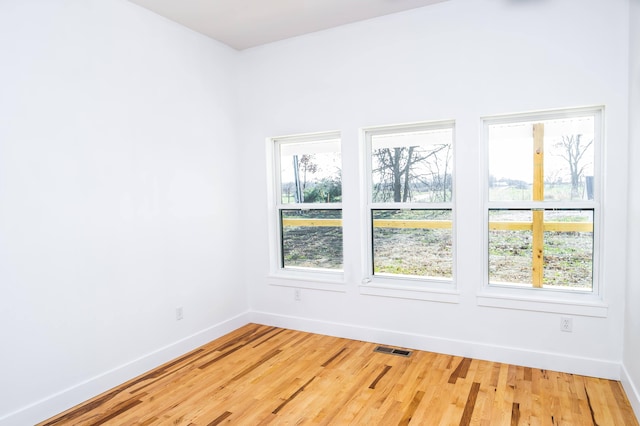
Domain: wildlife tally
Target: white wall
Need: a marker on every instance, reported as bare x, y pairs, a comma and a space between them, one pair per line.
116, 158
631, 378
117, 133
460, 60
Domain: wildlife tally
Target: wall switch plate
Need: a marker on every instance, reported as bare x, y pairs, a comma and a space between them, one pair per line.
296, 294
179, 313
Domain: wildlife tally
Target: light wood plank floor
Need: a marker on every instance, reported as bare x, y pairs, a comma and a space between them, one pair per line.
266, 375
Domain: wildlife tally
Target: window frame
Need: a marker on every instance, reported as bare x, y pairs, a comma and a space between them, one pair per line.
292, 276
404, 286
547, 299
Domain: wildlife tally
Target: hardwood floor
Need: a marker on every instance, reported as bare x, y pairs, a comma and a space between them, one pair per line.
266, 375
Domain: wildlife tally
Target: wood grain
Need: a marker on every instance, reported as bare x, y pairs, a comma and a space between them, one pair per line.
266, 375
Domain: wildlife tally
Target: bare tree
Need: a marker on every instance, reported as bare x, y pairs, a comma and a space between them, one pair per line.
398, 171
572, 150
438, 176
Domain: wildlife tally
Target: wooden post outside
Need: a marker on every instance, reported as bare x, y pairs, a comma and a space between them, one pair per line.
538, 195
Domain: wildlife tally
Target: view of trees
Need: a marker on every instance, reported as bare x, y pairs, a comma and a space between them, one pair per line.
310, 173
565, 149
568, 160
414, 167
314, 178
573, 150
412, 174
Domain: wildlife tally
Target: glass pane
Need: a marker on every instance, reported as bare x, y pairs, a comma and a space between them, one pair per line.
414, 243
568, 249
510, 248
567, 156
568, 159
566, 239
510, 162
311, 239
311, 172
412, 166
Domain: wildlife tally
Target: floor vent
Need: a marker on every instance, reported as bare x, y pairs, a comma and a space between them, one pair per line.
392, 351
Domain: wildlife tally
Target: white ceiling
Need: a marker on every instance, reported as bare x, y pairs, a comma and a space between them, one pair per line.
247, 23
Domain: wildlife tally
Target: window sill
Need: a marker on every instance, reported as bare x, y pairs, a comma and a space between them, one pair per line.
408, 291
586, 307
328, 283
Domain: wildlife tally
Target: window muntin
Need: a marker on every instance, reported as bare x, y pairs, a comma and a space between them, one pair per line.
410, 204
542, 201
308, 201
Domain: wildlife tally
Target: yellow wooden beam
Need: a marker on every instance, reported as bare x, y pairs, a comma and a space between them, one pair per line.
538, 215
538, 162
446, 224
537, 248
569, 226
510, 226
547, 226
413, 224
312, 222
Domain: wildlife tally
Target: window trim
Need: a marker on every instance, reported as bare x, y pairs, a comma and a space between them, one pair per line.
314, 278
549, 299
407, 287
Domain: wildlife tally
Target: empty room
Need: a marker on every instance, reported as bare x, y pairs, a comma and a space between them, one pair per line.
320, 212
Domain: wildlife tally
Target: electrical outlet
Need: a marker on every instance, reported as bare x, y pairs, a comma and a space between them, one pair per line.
296, 294
179, 313
566, 324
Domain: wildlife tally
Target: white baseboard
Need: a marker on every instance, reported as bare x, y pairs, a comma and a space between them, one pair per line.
67, 398
631, 390
477, 350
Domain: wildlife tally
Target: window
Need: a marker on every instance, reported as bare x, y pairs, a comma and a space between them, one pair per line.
410, 201
542, 200
308, 202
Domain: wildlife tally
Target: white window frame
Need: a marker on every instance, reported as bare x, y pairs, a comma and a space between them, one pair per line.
547, 299
421, 288
314, 278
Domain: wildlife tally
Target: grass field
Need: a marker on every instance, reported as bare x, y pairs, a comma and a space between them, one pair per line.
429, 252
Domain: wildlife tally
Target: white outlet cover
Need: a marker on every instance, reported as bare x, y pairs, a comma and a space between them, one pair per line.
566, 324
